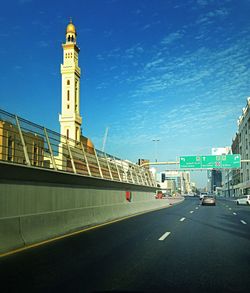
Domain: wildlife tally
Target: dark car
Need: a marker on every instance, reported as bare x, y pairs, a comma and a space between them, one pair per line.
208, 200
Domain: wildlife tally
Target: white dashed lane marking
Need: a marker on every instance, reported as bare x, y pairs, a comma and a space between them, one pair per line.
164, 236
191, 212
243, 222
182, 219
234, 214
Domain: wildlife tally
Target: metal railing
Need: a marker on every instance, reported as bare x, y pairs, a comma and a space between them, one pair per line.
24, 142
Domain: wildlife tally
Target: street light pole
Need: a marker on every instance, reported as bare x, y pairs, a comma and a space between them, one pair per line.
156, 141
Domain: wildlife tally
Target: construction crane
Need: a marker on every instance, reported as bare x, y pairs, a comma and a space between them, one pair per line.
105, 139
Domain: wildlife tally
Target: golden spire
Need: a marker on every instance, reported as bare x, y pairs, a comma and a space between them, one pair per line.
71, 28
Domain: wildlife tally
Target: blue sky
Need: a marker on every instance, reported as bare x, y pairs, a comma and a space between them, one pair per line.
177, 71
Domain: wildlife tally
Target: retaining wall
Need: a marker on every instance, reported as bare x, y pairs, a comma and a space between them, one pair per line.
38, 204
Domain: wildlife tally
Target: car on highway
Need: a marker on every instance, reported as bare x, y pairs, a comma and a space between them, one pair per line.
208, 200
243, 200
202, 195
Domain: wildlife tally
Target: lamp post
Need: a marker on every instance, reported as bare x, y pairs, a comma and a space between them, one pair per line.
156, 141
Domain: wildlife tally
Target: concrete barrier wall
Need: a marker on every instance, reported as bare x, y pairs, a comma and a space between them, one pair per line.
32, 209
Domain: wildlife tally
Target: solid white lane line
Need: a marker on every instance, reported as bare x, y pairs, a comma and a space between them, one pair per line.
243, 222
234, 214
196, 208
191, 212
164, 236
182, 219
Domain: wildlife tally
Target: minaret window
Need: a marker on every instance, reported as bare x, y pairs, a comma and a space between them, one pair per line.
77, 130
76, 95
68, 82
67, 133
68, 95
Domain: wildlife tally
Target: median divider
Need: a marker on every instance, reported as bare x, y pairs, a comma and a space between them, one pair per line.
10, 234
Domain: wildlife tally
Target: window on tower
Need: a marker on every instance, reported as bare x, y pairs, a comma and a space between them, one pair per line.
67, 132
76, 95
77, 130
68, 95
68, 82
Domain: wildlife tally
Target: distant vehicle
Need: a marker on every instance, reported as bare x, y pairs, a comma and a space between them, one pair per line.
203, 194
159, 194
243, 200
208, 200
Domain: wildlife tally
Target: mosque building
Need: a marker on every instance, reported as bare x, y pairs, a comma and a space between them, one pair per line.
70, 118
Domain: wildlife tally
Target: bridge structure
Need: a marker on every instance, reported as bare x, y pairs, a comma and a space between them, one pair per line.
23, 142
51, 185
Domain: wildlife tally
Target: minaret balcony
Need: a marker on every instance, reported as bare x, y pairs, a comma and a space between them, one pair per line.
70, 117
70, 69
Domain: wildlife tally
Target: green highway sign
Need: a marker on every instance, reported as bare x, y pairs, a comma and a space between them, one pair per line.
190, 162
210, 162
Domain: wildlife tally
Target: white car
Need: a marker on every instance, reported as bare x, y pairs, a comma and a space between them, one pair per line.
202, 195
245, 199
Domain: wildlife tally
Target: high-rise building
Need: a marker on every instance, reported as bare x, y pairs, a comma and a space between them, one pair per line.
216, 177
241, 144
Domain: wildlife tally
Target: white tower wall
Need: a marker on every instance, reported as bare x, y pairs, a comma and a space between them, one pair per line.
70, 119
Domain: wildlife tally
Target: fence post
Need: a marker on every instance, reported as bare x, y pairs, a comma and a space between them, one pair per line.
131, 174
137, 177
97, 160
111, 176
140, 174
118, 172
125, 173
23, 142
86, 160
153, 183
71, 157
50, 149
147, 182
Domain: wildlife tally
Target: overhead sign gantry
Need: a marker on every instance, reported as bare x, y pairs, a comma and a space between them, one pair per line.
205, 162
210, 162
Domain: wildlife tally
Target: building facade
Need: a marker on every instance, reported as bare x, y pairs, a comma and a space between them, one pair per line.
12, 147
176, 182
214, 180
240, 179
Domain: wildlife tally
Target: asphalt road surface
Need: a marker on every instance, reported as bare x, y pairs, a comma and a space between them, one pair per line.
184, 248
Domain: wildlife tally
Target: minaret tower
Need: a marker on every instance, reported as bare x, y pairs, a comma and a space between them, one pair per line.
70, 119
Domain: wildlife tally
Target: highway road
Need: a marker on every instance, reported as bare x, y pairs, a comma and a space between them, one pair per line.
184, 248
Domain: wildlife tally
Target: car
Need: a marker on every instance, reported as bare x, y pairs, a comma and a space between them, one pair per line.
208, 200
202, 195
245, 199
